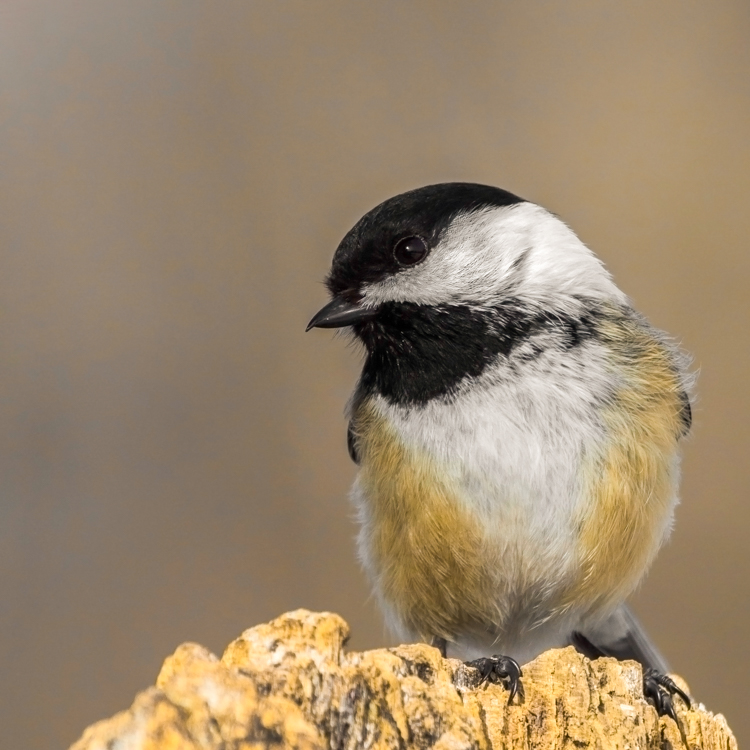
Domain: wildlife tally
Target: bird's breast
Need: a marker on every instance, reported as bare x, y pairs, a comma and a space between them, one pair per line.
427, 551
539, 492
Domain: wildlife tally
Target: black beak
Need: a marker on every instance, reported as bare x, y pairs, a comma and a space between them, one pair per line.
339, 313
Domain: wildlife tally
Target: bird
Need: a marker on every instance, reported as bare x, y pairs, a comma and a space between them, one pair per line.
517, 426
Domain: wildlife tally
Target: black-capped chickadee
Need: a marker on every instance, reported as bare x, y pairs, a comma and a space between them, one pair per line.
516, 424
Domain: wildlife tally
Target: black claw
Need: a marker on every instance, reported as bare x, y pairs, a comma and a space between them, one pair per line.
659, 689
498, 668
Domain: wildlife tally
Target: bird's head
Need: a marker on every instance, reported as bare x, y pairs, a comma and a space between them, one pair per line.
457, 271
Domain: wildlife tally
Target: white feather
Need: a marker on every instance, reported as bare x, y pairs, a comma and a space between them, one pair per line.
522, 249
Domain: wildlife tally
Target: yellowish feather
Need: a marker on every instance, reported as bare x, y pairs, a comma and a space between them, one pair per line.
632, 484
432, 559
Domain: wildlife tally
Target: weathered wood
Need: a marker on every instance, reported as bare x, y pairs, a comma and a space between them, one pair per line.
291, 684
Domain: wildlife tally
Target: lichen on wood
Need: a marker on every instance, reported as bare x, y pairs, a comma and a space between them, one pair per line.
291, 684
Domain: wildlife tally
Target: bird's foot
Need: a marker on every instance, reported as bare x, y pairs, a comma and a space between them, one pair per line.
658, 689
496, 669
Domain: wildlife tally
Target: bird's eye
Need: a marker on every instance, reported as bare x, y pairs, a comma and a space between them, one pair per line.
410, 250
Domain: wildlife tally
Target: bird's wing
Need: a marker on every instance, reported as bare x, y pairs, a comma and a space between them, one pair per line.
621, 636
351, 443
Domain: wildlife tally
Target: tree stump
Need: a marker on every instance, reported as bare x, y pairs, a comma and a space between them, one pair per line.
291, 684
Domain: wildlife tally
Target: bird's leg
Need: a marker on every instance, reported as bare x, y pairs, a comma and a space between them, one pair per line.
658, 689
498, 668
440, 644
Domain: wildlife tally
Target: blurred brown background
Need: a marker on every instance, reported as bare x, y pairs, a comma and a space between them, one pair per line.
175, 177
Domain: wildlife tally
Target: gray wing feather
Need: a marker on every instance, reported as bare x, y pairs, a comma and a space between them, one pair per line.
622, 636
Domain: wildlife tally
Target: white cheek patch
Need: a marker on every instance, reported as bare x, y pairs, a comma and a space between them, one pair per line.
471, 262
486, 256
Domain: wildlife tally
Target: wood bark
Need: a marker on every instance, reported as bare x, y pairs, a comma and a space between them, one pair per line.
291, 684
